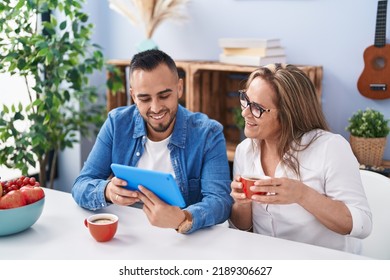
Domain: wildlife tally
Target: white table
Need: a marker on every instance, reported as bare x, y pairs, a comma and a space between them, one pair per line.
60, 234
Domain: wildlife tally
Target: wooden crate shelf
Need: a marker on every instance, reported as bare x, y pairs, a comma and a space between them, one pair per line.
210, 87
386, 163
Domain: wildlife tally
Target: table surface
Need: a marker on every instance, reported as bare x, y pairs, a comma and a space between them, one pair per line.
60, 234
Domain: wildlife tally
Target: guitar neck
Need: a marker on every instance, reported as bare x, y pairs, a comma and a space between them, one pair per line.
380, 29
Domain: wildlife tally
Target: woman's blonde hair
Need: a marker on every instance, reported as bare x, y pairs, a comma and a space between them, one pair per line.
299, 108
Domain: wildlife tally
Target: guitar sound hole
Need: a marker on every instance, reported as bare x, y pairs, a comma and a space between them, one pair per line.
379, 63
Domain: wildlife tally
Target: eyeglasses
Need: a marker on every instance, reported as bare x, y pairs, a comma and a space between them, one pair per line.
255, 108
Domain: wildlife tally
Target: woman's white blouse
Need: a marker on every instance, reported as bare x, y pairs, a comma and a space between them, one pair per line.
329, 167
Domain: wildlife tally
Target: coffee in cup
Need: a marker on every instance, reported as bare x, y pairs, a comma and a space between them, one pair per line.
102, 221
248, 181
102, 227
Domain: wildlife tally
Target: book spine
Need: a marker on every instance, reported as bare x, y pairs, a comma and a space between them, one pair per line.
254, 51
251, 60
249, 43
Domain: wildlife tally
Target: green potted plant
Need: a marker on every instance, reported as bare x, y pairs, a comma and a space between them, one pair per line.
368, 130
239, 121
57, 55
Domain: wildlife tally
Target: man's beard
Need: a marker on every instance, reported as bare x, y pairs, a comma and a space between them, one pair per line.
162, 127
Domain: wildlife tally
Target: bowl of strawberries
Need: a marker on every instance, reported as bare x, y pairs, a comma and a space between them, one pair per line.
21, 204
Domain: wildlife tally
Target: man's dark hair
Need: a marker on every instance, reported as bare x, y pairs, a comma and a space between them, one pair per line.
150, 59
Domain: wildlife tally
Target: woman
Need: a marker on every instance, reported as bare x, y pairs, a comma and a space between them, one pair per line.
315, 194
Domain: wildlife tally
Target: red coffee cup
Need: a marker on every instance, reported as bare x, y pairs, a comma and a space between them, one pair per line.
102, 227
248, 181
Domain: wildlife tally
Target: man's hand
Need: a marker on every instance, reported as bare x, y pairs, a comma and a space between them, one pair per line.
117, 194
158, 212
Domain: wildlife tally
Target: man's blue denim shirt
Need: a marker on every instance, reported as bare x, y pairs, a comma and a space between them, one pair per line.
198, 155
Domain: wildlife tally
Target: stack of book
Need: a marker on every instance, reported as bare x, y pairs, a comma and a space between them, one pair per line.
251, 51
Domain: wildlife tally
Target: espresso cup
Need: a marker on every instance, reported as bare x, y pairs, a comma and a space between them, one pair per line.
102, 227
248, 181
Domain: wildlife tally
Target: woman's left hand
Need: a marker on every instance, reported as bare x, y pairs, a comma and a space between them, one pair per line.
280, 191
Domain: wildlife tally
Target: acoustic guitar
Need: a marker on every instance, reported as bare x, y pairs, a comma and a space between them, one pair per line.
374, 82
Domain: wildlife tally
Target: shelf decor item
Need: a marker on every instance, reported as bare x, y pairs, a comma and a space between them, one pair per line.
150, 13
369, 130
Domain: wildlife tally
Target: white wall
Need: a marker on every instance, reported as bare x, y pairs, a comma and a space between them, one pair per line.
331, 33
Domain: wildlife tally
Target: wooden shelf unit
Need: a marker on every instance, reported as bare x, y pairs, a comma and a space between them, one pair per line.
386, 163
209, 87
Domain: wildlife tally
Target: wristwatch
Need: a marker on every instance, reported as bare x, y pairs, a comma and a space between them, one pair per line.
186, 224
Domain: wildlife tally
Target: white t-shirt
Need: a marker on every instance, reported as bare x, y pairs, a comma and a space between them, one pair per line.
156, 156
329, 167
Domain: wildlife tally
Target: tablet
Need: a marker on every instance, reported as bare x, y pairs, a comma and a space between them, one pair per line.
160, 183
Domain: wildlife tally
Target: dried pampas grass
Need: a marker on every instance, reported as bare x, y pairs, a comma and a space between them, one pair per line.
151, 13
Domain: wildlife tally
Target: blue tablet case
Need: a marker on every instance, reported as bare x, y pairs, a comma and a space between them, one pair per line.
160, 183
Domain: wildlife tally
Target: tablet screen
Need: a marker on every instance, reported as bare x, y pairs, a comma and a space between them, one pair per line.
160, 183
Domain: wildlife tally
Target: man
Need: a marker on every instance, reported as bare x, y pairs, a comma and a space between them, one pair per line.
159, 134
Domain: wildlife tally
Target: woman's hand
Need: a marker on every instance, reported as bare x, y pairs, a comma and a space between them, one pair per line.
241, 214
237, 193
117, 194
280, 191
